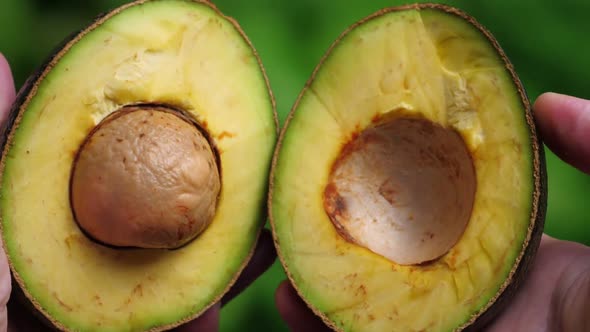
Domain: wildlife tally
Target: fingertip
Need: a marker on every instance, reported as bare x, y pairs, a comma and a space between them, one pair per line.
548, 96
564, 125
549, 106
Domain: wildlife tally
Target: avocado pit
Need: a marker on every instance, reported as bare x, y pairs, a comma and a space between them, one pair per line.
402, 188
145, 177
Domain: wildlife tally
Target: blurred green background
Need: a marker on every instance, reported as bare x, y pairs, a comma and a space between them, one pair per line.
547, 41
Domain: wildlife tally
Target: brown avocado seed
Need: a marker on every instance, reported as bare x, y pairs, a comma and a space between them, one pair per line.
145, 177
404, 189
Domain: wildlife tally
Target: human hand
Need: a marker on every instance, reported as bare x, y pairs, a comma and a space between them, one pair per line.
7, 95
18, 318
556, 295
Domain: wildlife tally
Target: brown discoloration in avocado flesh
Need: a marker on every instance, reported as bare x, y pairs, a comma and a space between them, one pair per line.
335, 207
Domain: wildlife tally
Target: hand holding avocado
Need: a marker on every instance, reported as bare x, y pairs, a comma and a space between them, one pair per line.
555, 296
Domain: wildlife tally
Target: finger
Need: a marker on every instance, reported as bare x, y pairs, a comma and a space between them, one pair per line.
7, 93
207, 322
295, 313
564, 123
264, 256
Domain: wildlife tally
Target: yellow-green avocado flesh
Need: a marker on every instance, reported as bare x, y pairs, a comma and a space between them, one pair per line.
435, 63
175, 52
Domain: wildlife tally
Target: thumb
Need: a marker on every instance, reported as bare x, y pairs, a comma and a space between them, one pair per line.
564, 122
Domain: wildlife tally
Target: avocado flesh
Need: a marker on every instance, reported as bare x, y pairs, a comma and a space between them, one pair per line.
180, 53
437, 65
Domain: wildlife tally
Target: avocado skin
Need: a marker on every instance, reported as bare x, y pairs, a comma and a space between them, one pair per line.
521, 268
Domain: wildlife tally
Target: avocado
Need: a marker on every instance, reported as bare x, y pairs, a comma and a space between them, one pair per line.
408, 187
134, 169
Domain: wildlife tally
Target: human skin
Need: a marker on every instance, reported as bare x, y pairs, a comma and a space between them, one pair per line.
556, 294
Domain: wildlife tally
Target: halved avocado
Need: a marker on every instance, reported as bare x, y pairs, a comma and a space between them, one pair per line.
135, 169
408, 188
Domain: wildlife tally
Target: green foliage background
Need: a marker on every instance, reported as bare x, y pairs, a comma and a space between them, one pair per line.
547, 41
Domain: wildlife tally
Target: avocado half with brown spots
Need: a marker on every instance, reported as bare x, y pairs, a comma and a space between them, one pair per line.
135, 169
408, 189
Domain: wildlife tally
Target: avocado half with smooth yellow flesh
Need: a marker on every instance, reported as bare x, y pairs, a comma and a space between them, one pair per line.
135, 169
408, 186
